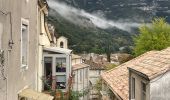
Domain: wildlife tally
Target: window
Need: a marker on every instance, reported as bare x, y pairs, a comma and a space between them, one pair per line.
61, 82
24, 43
61, 44
80, 75
60, 64
47, 72
86, 73
133, 88
143, 96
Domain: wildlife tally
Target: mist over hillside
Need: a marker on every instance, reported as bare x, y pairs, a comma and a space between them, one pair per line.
136, 10
86, 22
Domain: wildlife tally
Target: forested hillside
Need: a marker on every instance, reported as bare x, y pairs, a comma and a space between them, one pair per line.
93, 39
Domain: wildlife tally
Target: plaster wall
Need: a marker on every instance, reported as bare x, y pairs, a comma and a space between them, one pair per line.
76, 61
160, 87
18, 78
94, 76
138, 86
64, 40
81, 81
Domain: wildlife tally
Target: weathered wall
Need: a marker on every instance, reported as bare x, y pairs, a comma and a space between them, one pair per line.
43, 38
138, 87
64, 40
160, 87
76, 61
94, 75
43, 41
81, 82
17, 78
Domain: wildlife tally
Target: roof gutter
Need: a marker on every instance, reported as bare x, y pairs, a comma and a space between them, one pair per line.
139, 73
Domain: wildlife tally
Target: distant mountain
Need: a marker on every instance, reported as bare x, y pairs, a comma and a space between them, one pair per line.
89, 39
136, 10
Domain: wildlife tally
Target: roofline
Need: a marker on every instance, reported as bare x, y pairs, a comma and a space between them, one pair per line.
63, 37
52, 49
78, 68
139, 73
155, 76
97, 68
116, 94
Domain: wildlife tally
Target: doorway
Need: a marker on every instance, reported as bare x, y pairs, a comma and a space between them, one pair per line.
47, 73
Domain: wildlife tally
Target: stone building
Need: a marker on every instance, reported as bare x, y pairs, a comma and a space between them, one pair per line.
80, 74
19, 49
143, 78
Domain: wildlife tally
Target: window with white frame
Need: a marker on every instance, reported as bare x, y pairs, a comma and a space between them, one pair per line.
143, 88
133, 88
60, 64
24, 42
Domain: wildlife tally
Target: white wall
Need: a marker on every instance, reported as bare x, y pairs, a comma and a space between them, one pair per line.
138, 86
1, 30
94, 75
43, 38
76, 61
81, 82
64, 40
160, 87
43, 41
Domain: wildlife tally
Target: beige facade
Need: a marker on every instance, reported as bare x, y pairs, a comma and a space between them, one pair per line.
43, 40
138, 87
80, 77
62, 42
14, 14
54, 61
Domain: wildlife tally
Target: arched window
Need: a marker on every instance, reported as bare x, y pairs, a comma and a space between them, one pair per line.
61, 44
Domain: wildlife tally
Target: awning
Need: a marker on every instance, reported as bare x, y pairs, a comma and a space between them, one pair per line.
34, 95
58, 50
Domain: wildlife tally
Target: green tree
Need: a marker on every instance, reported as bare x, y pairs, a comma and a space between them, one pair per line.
152, 37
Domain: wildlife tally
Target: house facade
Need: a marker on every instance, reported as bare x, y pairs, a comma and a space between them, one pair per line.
149, 78
54, 67
80, 80
95, 70
18, 46
143, 78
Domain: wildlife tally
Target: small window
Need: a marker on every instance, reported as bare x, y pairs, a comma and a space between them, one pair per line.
80, 75
60, 64
61, 45
86, 73
133, 88
143, 96
24, 43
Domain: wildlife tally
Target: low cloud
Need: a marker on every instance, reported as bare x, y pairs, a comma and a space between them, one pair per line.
81, 17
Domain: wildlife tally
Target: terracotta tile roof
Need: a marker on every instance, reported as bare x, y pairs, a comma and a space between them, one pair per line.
152, 64
95, 65
79, 66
